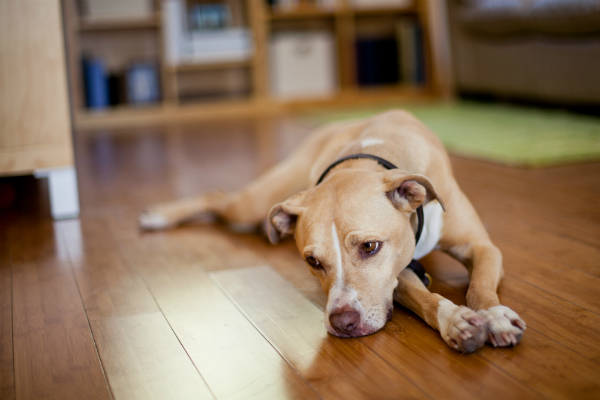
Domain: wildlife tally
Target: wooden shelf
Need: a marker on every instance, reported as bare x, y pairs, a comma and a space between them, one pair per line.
382, 11
124, 116
301, 13
316, 12
128, 116
192, 67
93, 25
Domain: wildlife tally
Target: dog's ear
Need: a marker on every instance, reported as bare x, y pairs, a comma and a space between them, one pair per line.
282, 218
407, 191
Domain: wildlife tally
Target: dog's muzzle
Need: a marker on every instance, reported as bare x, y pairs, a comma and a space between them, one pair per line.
344, 321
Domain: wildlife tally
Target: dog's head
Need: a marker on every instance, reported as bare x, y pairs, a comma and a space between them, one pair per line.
355, 231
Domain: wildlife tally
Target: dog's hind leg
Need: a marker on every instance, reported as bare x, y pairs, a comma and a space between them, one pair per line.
249, 206
170, 214
242, 210
460, 327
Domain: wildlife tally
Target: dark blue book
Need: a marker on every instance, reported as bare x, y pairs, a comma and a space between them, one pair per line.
376, 61
419, 56
96, 83
366, 62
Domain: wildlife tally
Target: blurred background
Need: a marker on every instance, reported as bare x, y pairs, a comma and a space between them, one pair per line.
123, 54
514, 82
255, 55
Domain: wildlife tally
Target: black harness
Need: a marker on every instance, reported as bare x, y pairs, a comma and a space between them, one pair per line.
415, 265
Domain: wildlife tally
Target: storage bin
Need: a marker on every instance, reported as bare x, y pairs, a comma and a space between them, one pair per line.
302, 64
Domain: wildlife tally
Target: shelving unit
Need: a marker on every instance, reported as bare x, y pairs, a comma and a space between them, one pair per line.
343, 21
91, 25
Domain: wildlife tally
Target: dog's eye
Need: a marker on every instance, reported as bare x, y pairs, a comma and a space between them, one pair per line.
370, 248
313, 262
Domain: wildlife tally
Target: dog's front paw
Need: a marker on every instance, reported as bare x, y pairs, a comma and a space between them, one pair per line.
504, 327
462, 328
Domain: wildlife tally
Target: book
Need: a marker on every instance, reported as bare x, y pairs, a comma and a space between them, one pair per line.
95, 83
142, 83
117, 90
204, 17
376, 61
203, 35
410, 51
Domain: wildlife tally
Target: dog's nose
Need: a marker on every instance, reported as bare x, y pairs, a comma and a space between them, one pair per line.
344, 321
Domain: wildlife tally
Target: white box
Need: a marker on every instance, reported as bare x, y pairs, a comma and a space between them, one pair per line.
302, 65
116, 9
219, 46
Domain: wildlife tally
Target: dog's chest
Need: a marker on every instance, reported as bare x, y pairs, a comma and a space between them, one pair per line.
432, 230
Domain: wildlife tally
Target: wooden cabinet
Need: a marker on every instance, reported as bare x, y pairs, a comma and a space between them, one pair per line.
35, 124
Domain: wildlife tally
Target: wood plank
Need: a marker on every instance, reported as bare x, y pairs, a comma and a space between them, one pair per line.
581, 178
144, 360
541, 187
542, 364
7, 376
545, 244
335, 367
553, 317
109, 284
547, 367
286, 260
216, 248
569, 284
536, 192
231, 355
573, 226
556, 318
141, 356
208, 66
54, 353
420, 353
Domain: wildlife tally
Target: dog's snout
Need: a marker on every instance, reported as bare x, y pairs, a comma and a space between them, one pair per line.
344, 321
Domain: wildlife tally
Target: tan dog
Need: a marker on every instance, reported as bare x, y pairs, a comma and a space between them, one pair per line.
356, 229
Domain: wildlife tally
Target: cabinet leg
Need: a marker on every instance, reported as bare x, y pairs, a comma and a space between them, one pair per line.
64, 196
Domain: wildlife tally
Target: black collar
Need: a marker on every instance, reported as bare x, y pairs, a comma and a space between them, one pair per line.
414, 264
384, 163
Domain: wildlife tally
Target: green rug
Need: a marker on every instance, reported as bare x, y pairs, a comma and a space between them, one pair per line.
507, 134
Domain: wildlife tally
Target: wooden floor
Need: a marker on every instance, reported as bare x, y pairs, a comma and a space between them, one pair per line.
95, 309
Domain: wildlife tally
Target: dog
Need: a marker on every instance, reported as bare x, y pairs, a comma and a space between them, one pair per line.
355, 195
